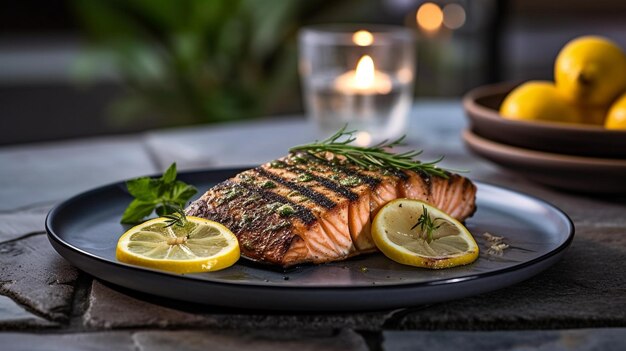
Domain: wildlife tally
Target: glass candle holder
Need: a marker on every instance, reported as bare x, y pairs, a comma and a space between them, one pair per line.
359, 75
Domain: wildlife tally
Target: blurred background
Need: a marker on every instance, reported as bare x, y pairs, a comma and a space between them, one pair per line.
90, 67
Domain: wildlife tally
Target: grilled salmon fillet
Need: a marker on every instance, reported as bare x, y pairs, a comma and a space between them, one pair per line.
308, 210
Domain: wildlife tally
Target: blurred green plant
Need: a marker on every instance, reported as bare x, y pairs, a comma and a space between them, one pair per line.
194, 61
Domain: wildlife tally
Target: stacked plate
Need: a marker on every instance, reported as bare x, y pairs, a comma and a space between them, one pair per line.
582, 158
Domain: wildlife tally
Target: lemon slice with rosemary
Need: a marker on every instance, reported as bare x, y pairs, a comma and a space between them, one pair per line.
187, 246
415, 233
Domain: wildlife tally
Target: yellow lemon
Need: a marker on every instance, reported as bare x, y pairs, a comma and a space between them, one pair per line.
415, 233
538, 101
616, 118
590, 71
199, 245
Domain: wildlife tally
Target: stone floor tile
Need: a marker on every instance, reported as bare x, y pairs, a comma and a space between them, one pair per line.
156, 340
40, 173
225, 146
274, 340
110, 308
33, 274
13, 316
104, 341
544, 340
15, 224
609, 235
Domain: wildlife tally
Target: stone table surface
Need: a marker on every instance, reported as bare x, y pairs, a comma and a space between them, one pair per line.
47, 304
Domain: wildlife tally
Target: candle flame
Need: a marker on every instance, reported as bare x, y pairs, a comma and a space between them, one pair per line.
363, 38
364, 77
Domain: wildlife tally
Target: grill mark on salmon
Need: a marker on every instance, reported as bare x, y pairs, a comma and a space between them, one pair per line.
322, 238
329, 184
312, 195
265, 235
398, 173
358, 210
371, 181
303, 213
331, 217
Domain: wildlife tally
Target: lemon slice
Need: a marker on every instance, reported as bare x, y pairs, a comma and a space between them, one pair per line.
199, 246
398, 235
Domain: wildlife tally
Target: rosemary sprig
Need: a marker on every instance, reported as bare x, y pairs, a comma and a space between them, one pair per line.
372, 157
176, 217
426, 224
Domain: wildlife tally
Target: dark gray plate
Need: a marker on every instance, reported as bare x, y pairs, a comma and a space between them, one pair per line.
85, 230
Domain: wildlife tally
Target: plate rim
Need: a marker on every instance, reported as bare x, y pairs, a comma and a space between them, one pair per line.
55, 238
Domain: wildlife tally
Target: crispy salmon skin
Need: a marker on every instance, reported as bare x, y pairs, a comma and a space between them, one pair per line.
309, 210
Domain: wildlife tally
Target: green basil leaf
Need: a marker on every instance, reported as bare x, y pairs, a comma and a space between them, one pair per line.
163, 190
142, 188
181, 192
170, 174
165, 195
136, 211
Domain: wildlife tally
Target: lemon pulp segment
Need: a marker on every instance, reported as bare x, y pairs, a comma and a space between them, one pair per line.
198, 246
395, 233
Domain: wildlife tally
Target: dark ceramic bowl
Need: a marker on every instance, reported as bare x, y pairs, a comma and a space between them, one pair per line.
580, 174
482, 104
